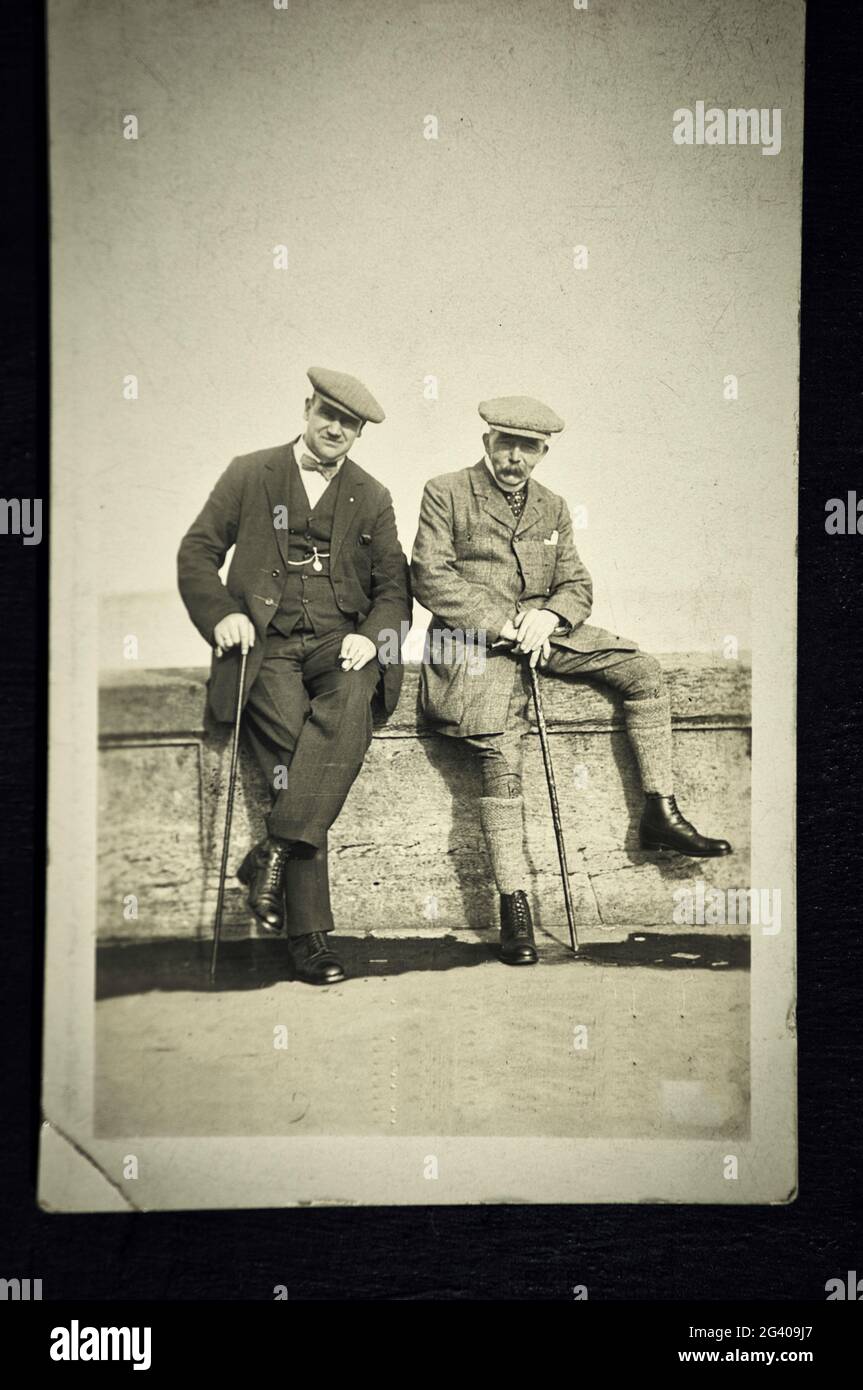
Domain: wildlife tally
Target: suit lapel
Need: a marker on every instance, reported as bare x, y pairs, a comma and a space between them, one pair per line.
533, 509
350, 481
493, 499
276, 483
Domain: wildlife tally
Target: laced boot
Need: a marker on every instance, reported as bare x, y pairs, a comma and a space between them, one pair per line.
517, 945
314, 960
262, 871
663, 826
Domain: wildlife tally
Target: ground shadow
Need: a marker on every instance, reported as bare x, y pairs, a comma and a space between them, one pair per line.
260, 964
658, 950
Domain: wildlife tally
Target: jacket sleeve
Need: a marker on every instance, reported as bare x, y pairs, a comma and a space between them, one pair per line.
202, 553
571, 594
390, 591
438, 585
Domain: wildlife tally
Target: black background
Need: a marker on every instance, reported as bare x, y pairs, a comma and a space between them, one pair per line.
489, 1253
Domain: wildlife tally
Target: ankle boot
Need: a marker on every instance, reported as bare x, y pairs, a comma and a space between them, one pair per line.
663, 826
262, 871
314, 960
517, 946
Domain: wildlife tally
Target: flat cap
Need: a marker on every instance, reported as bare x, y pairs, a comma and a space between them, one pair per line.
521, 415
345, 391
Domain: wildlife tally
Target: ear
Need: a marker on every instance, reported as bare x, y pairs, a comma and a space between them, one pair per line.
486, 440
308, 407
361, 428
544, 451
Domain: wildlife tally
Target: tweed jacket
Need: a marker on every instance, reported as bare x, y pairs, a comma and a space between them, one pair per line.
474, 566
368, 568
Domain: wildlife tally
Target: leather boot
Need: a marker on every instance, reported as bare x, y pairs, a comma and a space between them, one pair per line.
516, 930
314, 960
262, 871
663, 826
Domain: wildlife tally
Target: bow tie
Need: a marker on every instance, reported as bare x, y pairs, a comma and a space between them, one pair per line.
315, 465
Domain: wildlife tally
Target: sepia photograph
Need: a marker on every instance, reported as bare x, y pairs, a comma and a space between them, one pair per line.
422, 704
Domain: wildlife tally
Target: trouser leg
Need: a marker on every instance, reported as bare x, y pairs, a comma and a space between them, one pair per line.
331, 747
276, 709
306, 880
276, 715
322, 729
307, 894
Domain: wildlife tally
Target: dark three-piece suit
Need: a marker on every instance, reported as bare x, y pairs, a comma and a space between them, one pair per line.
306, 576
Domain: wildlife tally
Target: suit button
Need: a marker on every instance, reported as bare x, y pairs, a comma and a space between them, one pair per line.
275, 574
269, 602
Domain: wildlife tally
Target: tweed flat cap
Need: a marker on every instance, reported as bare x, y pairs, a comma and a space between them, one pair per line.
520, 415
346, 392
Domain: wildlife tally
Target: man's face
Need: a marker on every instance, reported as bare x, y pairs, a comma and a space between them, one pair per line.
513, 457
330, 431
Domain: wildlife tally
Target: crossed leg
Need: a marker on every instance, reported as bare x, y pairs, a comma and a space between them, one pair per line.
309, 724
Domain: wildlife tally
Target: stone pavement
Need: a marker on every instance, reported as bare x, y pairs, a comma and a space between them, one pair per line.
646, 1035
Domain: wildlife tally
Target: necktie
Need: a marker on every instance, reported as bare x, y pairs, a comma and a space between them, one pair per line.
516, 501
326, 470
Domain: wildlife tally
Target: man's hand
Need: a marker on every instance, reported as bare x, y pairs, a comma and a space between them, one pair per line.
507, 633
535, 626
236, 630
357, 651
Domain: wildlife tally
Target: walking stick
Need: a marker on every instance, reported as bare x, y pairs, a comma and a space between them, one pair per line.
555, 808
232, 782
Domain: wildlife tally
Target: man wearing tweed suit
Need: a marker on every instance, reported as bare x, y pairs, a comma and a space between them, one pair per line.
495, 553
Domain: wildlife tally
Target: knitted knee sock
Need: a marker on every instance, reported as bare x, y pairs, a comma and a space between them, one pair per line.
648, 723
503, 827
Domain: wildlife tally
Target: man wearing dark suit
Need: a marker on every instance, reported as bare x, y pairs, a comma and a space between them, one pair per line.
494, 553
317, 587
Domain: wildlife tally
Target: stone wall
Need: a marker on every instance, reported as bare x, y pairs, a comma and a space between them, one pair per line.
406, 854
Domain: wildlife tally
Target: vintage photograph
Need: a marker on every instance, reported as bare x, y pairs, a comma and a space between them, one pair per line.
422, 702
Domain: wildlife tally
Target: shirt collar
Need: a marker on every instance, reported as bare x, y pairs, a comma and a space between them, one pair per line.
488, 463
301, 447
